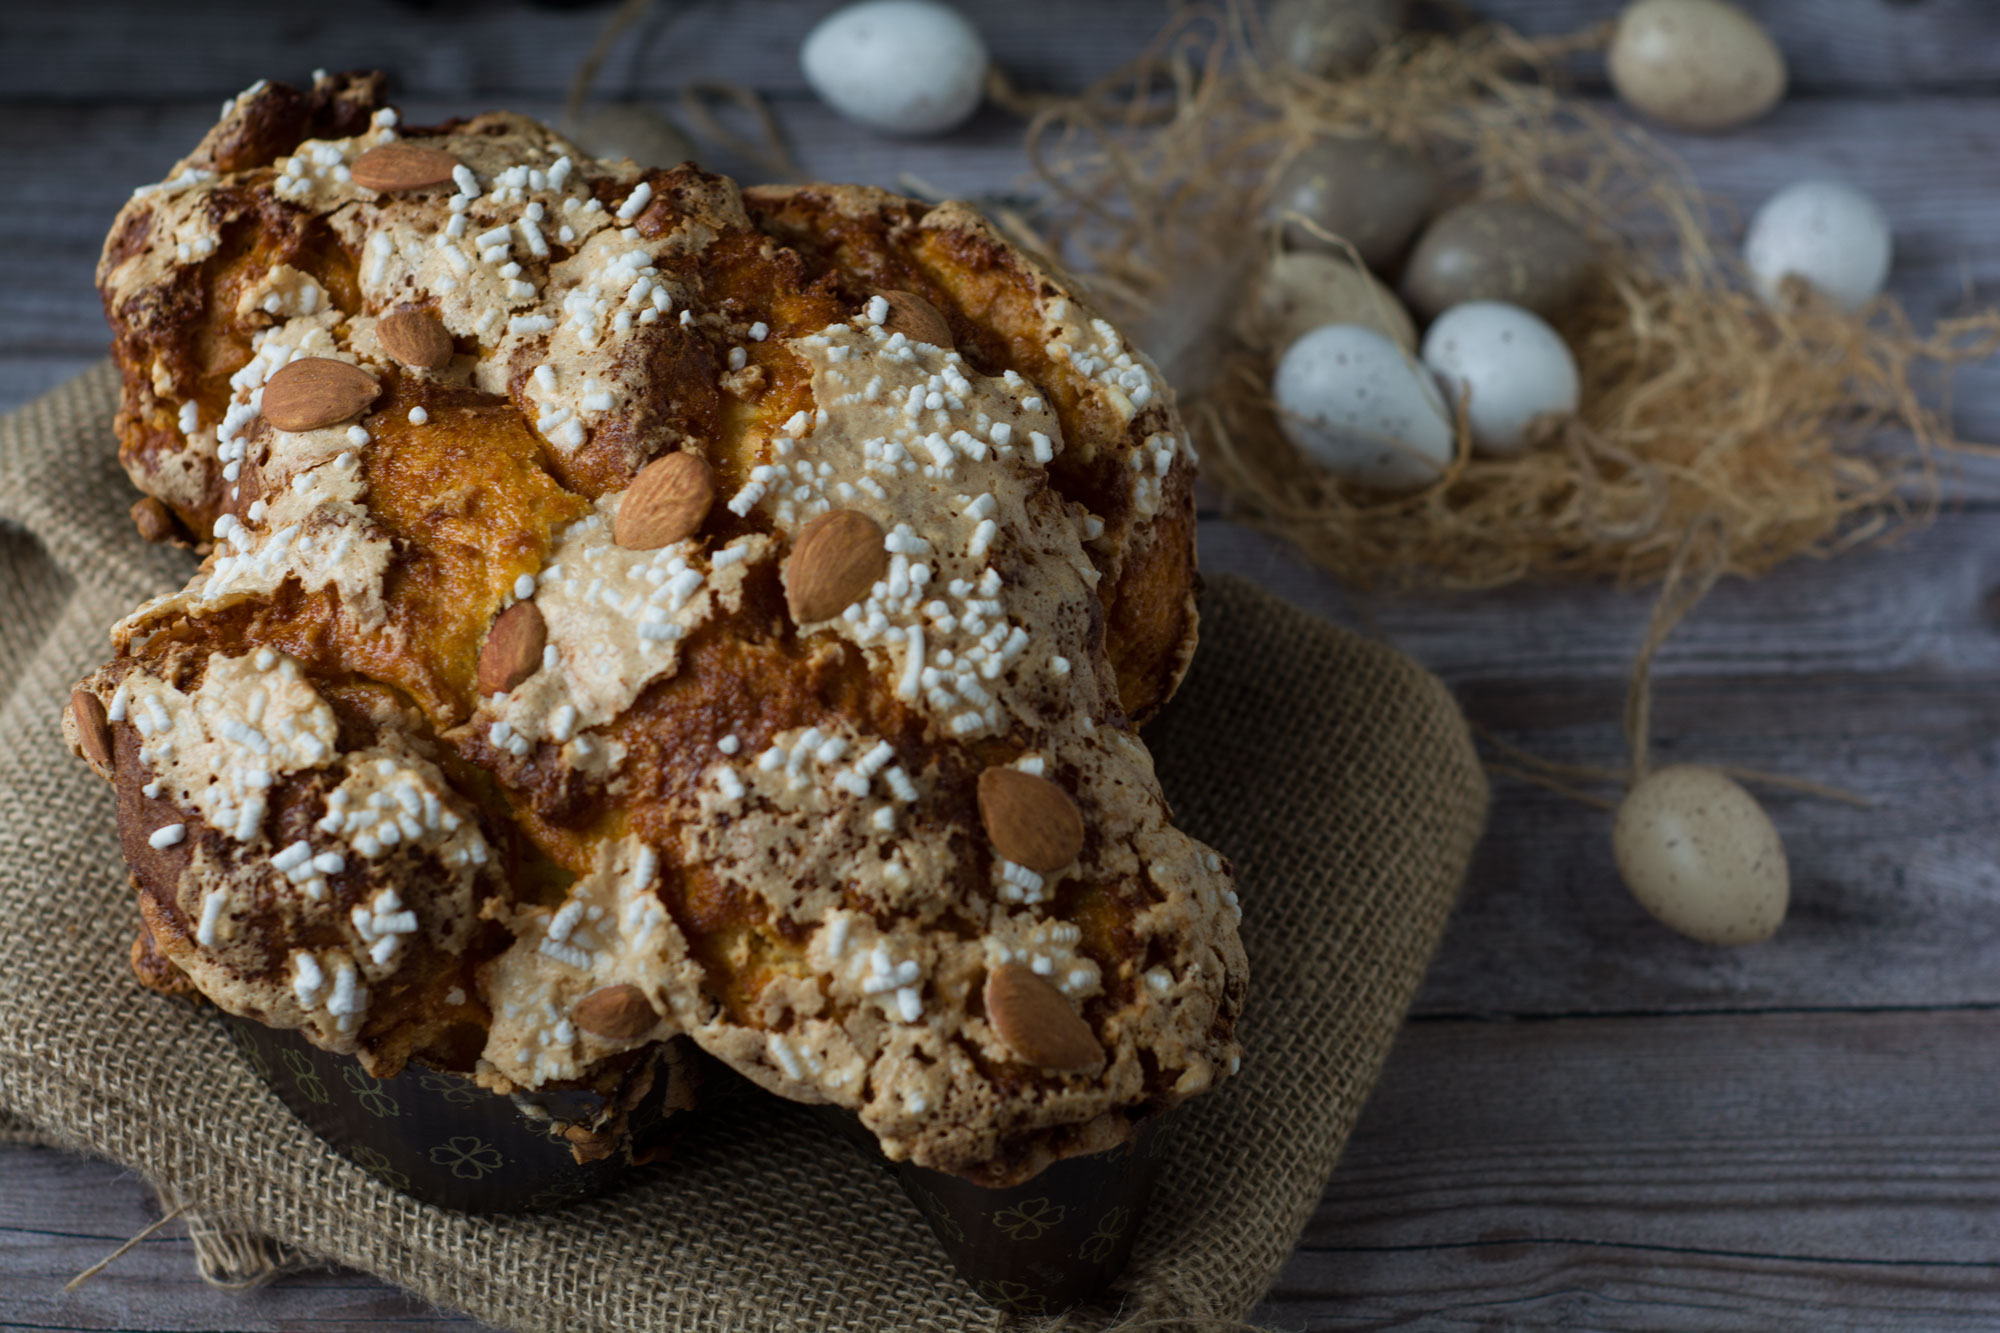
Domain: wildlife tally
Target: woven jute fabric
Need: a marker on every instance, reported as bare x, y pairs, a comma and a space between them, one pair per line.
1335, 773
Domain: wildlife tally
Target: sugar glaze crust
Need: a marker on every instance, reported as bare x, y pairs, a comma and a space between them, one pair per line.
769, 829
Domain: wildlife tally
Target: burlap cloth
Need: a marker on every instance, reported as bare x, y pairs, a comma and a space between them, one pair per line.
1336, 773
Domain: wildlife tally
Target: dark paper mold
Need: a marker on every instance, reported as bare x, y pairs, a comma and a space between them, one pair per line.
1041, 1247
442, 1139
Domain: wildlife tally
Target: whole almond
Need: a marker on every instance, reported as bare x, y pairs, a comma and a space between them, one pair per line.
835, 561
415, 338
317, 391
916, 319
402, 166
513, 650
620, 1012
1030, 820
93, 728
156, 522
1037, 1023
665, 503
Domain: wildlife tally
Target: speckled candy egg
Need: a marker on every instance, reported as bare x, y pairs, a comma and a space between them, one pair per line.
1373, 194
898, 66
1511, 368
1299, 291
1331, 37
1700, 65
1354, 403
1830, 234
1499, 250
1700, 854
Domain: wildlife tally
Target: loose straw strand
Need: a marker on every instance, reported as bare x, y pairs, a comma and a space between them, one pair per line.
1690, 576
1547, 767
1758, 777
1555, 785
1697, 563
122, 1250
773, 152
586, 72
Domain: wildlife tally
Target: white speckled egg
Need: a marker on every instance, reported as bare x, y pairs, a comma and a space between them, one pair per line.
899, 66
1510, 367
1829, 234
1355, 403
1700, 854
1701, 65
1300, 290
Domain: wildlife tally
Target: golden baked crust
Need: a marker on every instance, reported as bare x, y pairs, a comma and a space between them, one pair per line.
998, 302
768, 830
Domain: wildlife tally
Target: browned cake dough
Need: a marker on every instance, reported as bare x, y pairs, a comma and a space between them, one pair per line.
634, 607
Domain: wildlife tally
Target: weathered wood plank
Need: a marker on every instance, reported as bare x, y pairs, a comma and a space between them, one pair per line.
1576, 1283
1918, 607
214, 48
59, 1214
1666, 1173
1872, 672
1928, 160
1743, 1133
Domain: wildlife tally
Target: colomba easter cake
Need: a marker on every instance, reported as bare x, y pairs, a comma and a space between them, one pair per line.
632, 608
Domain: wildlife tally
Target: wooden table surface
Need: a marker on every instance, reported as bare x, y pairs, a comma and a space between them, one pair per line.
1589, 1122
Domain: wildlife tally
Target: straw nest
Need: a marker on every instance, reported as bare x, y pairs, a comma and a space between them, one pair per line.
1795, 430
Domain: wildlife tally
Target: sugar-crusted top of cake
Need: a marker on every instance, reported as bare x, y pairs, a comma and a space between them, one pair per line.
706, 800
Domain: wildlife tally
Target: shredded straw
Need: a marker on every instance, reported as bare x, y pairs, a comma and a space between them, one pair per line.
1797, 430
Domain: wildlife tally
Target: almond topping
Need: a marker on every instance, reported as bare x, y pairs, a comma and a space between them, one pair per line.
619, 1012
93, 729
513, 650
402, 166
317, 391
665, 503
1030, 820
156, 522
414, 338
836, 560
916, 319
1037, 1023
